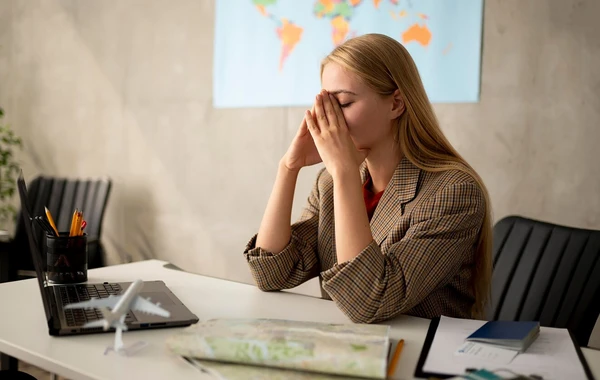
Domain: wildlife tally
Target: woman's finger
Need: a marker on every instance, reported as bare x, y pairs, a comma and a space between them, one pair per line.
320, 113
313, 128
341, 120
303, 130
329, 110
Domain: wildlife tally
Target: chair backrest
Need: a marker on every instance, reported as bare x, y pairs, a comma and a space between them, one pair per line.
62, 196
547, 273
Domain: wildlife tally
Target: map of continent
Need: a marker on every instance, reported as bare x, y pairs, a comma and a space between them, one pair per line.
280, 43
339, 13
288, 33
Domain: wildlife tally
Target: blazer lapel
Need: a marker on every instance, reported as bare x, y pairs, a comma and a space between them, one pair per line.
401, 189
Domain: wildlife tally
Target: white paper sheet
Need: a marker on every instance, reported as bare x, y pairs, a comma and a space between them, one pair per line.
486, 352
552, 355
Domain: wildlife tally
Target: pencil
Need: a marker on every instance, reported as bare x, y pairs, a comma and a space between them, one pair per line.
73, 221
51, 221
79, 221
394, 362
77, 224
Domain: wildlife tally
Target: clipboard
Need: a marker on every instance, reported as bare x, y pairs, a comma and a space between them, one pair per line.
420, 373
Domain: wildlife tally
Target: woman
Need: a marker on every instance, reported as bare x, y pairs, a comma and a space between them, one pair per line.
412, 230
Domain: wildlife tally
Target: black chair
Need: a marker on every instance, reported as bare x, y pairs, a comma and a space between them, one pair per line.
62, 196
548, 273
16, 375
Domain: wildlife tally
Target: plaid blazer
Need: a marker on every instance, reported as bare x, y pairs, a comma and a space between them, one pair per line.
425, 230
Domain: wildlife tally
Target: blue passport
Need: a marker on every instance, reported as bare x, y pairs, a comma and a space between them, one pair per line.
514, 335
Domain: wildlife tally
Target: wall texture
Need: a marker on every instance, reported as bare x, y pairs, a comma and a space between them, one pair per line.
123, 89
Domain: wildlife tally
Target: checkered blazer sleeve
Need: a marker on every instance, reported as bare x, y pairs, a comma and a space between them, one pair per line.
373, 287
298, 261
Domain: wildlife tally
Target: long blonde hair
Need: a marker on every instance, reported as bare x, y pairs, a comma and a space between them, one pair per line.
386, 66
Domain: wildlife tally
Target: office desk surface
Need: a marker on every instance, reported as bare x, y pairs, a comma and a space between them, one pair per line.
24, 334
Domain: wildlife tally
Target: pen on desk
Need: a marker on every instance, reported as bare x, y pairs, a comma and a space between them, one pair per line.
394, 362
201, 368
51, 220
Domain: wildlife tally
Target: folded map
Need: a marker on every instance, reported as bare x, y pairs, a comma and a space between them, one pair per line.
356, 350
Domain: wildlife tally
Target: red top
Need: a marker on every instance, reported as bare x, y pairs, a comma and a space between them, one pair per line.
371, 199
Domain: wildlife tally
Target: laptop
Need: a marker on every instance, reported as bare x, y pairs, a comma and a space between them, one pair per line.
63, 321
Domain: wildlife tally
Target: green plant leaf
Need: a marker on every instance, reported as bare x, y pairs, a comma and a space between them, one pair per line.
9, 169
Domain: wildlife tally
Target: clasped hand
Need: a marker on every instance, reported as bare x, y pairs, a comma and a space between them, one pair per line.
324, 137
331, 136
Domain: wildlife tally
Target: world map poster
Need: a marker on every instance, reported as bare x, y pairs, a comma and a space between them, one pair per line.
268, 52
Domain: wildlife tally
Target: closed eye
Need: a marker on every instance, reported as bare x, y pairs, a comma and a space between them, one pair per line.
346, 104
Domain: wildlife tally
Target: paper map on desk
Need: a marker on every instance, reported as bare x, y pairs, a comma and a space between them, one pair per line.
340, 349
228, 371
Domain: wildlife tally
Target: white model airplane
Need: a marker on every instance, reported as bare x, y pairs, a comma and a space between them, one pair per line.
119, 306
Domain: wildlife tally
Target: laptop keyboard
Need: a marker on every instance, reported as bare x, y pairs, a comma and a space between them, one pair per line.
77, 293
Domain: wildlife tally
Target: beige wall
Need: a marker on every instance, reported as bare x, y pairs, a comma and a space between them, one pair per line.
123, 89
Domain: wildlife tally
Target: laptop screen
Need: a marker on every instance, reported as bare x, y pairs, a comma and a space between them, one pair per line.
36, 256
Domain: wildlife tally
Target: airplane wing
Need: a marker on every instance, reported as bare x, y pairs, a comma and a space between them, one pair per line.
98, 323
109, 302
145, 306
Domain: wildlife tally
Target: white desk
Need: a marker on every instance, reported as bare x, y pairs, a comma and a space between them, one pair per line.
24, 334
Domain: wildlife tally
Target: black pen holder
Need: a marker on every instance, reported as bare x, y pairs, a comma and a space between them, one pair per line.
66, 258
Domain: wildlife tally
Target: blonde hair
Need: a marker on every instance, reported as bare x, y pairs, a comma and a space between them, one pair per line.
386, 66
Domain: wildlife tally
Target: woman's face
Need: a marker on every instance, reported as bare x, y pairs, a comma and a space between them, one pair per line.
368, 115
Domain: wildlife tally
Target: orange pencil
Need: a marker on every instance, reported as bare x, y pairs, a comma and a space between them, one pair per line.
79, 223
51, 220
73, 221
394, 362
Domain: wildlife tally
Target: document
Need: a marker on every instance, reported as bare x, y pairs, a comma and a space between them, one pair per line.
486, 352
552, 356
